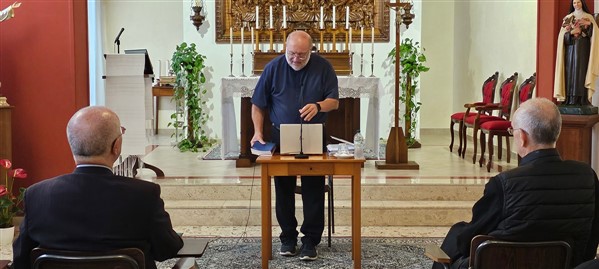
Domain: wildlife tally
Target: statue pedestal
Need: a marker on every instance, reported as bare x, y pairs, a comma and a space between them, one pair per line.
574, 142
578, 110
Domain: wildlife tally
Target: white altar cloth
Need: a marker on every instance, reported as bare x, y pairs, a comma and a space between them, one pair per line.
349, 87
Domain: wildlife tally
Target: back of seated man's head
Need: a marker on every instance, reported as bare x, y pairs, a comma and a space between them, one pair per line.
537, 125
94, 135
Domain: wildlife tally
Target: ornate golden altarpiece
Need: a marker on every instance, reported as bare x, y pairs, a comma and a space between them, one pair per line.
302, 15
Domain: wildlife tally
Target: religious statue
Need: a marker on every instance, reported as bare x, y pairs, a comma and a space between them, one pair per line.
577, 60
9, 12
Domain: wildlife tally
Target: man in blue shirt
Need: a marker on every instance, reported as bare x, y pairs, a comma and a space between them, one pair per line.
296, 87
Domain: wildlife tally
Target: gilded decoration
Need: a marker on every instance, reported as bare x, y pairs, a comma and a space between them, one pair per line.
302, 15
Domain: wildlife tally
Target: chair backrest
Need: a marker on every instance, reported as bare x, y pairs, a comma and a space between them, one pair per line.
492, 254
488, 89
506, 95
527, 88
125, 258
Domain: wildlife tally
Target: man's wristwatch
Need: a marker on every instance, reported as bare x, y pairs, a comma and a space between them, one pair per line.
317, 107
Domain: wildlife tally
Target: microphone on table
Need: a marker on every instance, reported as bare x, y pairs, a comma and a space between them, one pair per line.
301, 154
117, 40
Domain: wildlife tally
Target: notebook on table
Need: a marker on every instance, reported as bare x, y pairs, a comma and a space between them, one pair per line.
312, 138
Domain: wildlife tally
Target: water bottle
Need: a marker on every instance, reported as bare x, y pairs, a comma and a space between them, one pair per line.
358, 145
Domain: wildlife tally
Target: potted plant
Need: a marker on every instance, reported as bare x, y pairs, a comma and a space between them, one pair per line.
187, 65
9, 203
412, 64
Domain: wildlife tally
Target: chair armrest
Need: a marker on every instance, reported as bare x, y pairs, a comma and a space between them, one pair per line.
4, 264
436, 254
469, 105
186, 263
488, 107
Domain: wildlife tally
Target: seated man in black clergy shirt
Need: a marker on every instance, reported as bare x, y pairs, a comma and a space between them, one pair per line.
92, 209
296, 87
545, 198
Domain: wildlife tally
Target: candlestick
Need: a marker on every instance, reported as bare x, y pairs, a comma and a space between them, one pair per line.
333, 17
321, 17
257, 19
270, 18
284, 16
372, 40
347, 17
361, 39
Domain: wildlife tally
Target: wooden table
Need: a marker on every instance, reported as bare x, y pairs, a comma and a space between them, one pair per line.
158, 91
316, 165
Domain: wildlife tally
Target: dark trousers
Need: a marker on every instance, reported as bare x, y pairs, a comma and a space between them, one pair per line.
313, 200
450, 247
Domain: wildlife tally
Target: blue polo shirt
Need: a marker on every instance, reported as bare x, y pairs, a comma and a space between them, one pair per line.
279, 89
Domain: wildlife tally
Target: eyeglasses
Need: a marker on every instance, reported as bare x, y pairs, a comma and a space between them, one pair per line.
123, 130
297, 55
511, 130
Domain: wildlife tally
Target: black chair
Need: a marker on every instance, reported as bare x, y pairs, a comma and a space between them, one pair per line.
489, 253
328, 188
124, 258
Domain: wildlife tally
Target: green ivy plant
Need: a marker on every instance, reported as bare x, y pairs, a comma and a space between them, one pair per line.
187, 65
412, 60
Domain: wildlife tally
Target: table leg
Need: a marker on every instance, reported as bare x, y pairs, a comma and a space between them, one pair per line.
156, 107
266, 217
356, 216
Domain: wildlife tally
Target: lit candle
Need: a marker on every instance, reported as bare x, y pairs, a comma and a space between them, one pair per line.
333, 17
252, 46
257, 20
321, 17
270, 18
284, 16
347, 17
361, 39
371, 40
231, 38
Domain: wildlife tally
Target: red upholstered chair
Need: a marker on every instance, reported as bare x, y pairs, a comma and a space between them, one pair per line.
500, 128
488, 91
504, 107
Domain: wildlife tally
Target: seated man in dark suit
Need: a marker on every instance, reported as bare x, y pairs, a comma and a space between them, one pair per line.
545, 198
91, 209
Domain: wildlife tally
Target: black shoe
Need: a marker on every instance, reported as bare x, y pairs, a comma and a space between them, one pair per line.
288, 249
308, 252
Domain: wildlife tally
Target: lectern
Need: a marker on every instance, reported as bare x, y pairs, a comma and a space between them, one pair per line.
129, 94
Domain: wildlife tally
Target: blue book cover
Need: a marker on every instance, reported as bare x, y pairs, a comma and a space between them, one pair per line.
263, 149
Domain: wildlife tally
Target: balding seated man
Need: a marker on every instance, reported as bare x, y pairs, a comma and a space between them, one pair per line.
91, 209
544, 199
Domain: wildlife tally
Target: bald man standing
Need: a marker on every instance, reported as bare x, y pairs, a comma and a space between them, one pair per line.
295, 87
92, 209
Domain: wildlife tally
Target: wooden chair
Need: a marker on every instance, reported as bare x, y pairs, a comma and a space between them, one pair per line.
124, 258
500, 128
488, 96
489, 253
328, 188
504, 107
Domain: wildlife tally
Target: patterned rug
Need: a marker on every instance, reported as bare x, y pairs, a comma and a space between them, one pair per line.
214, 154
383, 253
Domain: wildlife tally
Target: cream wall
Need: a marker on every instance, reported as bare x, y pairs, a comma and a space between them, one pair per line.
464, 44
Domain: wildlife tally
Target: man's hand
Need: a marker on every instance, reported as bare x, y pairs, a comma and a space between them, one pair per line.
308, 111
257, 138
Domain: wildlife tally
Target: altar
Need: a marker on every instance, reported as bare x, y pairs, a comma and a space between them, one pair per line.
342, 123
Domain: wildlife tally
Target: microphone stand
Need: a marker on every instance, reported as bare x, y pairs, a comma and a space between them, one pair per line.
301, 155
117, 40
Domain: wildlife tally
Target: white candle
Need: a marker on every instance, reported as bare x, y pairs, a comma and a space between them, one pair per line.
333, 17
257, 18
284, 16
198, 3
361, 39
270, 18
321, 17
231, 38
371, 40
252, 46
242, 48
350, 31
347, 17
